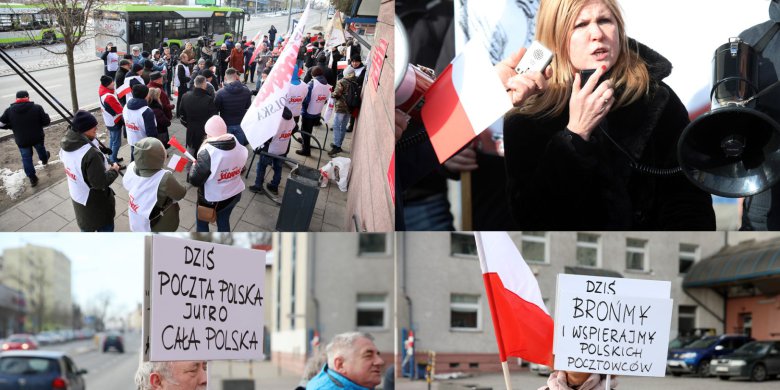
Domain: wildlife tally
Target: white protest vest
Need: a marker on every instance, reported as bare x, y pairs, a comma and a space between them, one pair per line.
319, 97
126, 89
108, 119
112, 62
225, 179
134, 123
143, 196
282, 138
77, 186
176, 74
295, 96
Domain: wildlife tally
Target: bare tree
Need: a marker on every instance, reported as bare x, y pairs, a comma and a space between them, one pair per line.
99, 308
72, 19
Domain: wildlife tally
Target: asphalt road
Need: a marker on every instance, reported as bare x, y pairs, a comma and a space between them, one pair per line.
55, 78
110, 370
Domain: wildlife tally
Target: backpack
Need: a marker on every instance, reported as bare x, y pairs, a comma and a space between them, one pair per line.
352, 94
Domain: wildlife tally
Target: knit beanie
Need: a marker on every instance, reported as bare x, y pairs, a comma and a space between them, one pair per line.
83, 121
216, 126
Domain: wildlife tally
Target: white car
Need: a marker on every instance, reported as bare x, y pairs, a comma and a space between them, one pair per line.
540, 369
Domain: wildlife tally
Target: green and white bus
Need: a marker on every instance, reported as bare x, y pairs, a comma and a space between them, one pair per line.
147, 26
22, 24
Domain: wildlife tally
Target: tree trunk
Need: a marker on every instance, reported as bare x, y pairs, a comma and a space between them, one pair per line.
72, 76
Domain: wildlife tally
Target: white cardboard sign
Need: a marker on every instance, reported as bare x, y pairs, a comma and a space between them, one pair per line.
206, 301
612, 325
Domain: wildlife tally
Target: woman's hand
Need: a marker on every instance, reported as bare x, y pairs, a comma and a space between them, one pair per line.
587, 107
521, 86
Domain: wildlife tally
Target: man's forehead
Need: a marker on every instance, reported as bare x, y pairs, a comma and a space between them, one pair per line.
365, 345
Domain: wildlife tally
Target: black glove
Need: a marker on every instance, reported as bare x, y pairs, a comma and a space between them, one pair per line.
105, 150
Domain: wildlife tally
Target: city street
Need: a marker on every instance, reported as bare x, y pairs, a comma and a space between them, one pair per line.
528, 380
110, 370
51, 69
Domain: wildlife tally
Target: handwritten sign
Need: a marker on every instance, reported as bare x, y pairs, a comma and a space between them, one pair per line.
612, 325
205, 301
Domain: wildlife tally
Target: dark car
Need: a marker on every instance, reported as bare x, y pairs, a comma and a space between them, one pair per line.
695, 357
39, 370
756, 360
20, 341
113, 340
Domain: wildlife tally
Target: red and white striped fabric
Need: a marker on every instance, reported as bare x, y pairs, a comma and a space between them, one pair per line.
177, 163
466, 98
522, 323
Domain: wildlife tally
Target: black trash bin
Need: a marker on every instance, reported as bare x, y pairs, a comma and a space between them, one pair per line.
299, 199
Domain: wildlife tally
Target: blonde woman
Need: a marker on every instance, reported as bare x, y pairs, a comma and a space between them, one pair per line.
587, 157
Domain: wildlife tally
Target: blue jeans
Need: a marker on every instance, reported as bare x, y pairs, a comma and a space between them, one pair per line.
430, 214
27, 153
239, 133
105, 228
114, 141
340, 127
262, 164
223, 218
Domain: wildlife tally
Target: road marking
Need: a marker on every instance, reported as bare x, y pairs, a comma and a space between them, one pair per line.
47, 87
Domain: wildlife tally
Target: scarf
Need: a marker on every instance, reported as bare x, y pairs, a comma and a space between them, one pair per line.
557, 381
22, 100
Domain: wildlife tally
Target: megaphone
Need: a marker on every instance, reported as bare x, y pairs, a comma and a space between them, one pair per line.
734, 149
411, 81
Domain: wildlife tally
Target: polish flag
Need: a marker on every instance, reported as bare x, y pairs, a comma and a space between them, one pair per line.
466, 98
176, 144
177, 163
522, 323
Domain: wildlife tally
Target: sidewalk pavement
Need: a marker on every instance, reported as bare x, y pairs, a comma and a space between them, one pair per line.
51, 209
264, 374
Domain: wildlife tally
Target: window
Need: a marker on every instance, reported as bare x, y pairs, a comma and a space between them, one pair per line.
533, 247
465, 313
372, 243
686, 319
462, 244
636, 254
588, 249
689, 254
371, 311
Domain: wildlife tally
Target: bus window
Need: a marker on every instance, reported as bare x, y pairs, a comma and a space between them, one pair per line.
175, 29
6, 23
193, 28
136, 32
218, 26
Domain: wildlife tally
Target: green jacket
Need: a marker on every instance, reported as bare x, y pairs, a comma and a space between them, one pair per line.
149, 155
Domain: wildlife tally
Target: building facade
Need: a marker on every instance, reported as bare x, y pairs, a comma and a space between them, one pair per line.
442, 297
43, 275
13, 309
324, 284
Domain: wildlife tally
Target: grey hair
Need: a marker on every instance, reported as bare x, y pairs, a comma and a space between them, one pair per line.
200, 81
313, 366
145, 370
342, 344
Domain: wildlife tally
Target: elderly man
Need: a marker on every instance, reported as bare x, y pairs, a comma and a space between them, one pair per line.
353, 364
184, 375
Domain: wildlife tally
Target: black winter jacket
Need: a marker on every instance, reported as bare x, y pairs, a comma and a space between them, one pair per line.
558, 181
27, 120
100, 209
196, 108
200, 172
232, 101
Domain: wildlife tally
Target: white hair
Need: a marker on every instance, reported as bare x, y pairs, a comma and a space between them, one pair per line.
343, 344
145, 370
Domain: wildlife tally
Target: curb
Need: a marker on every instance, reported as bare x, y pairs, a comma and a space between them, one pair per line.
10, 72
57, 120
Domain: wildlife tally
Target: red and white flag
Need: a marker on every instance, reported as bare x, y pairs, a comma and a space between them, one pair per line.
262, 119
177, 163
467, 97
522, 323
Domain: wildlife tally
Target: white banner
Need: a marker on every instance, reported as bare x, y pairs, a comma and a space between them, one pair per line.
206, 301
612, 325
335, 35
262, 120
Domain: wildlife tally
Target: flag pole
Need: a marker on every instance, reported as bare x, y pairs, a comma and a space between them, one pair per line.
608, 377
493, 312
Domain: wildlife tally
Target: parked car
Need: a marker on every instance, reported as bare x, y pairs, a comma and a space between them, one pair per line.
694, 334
39, 370
756, 360
113, 340
696, 357
21, 341
540, 369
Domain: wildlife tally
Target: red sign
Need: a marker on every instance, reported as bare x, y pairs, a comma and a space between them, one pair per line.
377, 60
